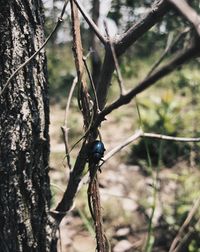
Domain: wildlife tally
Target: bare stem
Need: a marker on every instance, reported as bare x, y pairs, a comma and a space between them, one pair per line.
119, 76
187, 221
169, 46
90, 22
139, 134
170, 138
65, 128
188, 12
92, 83
180, 58
118, 148
123, 42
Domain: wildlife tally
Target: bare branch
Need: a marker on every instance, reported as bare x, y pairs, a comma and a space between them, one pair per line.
60, 20
65, 128
69, 101
95, 210
119, 76
118, 148
169, 47
188, 12
170, 138
140, 133
90, 22
92, 83
84, 98
76, 174
161, 58
156, 13
183, 56
153, 16
185, 238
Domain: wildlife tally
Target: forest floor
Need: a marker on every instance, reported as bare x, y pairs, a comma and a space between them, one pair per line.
127, 194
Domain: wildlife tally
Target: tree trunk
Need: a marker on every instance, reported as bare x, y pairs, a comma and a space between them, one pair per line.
24, 120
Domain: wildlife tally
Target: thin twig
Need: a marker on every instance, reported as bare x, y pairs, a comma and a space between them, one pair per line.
131, 139
139, 134
65, 128
170, 44
180, 58
60, 19
185, 237
75, 178
69, 100
187, 221
119, 76
167, 48
90, 22
92, 83
170, 138
188, 12
87, 131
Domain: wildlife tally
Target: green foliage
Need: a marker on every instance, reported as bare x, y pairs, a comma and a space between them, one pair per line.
194, 246
125, 13
162, 116
86, 221
187, 194
60, 71
128, 6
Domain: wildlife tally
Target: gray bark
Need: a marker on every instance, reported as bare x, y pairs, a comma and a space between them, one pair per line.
24, 120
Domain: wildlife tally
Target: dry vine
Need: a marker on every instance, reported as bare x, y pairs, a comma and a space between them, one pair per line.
113, 49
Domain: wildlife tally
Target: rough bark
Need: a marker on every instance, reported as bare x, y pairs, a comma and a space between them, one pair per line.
24, 139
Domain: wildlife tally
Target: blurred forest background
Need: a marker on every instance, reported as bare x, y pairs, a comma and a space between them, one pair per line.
148, 188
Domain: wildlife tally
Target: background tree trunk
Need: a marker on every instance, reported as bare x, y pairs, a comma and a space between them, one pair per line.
96, 60
24, 120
